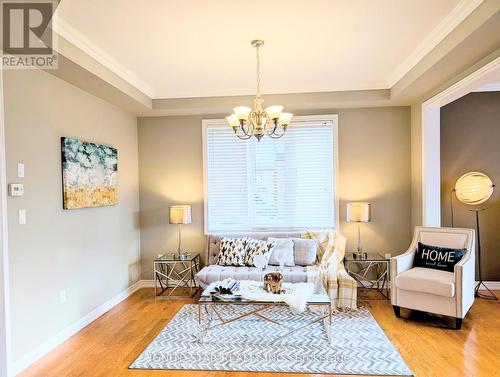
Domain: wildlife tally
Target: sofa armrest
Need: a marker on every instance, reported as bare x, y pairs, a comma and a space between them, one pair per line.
465, 271
399, 264
402, 262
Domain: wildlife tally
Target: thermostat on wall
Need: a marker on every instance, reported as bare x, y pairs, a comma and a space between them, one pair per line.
16, 189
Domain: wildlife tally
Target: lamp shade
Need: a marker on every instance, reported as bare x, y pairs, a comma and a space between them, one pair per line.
358, 212
179, 214
474, 188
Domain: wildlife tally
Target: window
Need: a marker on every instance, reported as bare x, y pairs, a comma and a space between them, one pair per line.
274, 184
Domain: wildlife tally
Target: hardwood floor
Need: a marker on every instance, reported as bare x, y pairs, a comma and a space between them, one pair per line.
107, 346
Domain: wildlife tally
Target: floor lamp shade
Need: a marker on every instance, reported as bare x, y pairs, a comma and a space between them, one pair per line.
474, 188
180, 214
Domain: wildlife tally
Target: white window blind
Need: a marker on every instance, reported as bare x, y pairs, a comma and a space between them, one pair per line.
274, 184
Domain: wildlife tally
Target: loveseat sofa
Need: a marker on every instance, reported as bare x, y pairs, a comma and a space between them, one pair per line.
213, 272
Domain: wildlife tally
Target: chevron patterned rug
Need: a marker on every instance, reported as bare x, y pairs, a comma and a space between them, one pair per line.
359, 346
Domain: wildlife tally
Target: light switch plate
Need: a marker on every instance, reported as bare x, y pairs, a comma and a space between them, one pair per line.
22, 217
20, 170
16, 189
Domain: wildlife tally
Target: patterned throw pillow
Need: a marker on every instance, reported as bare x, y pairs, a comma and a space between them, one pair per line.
258, 247
232, 251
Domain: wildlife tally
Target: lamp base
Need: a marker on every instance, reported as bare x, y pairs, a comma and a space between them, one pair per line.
487, 296
183, 255
360, 255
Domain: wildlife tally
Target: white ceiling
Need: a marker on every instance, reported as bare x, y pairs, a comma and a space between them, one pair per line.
200, 48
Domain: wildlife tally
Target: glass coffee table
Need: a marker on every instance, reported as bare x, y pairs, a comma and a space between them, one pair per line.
212, 313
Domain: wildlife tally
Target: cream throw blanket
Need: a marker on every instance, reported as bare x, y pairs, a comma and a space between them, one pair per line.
296, 296
341, 288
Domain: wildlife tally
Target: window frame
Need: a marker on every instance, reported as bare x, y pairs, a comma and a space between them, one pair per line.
210, 123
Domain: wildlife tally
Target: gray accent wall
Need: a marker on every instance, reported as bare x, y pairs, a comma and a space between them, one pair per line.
470, 141
374, 165
94, 253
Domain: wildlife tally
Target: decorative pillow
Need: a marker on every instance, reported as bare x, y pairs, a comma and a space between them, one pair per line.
282, 246
258, 247
438, 258
232, 251
305, 251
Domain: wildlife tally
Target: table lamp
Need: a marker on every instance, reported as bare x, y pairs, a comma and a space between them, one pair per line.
475, 188
180, 214
359, 213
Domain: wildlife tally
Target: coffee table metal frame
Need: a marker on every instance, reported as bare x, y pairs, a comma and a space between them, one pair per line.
207, 306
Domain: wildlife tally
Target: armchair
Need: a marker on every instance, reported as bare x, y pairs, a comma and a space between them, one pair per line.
435, 291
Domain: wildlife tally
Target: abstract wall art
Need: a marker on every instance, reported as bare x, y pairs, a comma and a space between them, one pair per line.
89, 173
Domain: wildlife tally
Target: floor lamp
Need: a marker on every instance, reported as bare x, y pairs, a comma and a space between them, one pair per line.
474, 189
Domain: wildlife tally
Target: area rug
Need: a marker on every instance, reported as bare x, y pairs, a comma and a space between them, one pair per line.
359, 346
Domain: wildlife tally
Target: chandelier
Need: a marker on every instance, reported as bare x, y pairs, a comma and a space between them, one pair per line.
247, 122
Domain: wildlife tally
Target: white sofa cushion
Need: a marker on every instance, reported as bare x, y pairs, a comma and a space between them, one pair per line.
284, 246
426, 280
209, 274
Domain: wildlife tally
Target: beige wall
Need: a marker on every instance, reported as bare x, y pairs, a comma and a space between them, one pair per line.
91, 253
470, 139
374, 159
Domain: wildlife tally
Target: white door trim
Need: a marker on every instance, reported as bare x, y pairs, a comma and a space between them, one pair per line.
5, 350
431, 131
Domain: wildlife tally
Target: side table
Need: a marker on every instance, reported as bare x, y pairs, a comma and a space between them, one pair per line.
372, 272
171, 273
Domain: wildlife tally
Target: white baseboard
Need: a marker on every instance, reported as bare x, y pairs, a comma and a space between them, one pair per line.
148, 283
69, 331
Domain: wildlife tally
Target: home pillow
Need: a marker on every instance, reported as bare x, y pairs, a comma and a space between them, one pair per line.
438, 258
284, 247
305, 251
232, 251
258, 247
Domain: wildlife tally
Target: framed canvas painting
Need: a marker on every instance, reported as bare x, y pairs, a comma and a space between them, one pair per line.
89, 174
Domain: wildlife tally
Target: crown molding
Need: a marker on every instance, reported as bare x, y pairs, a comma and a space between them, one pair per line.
463, 9
492, 87
69, 33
